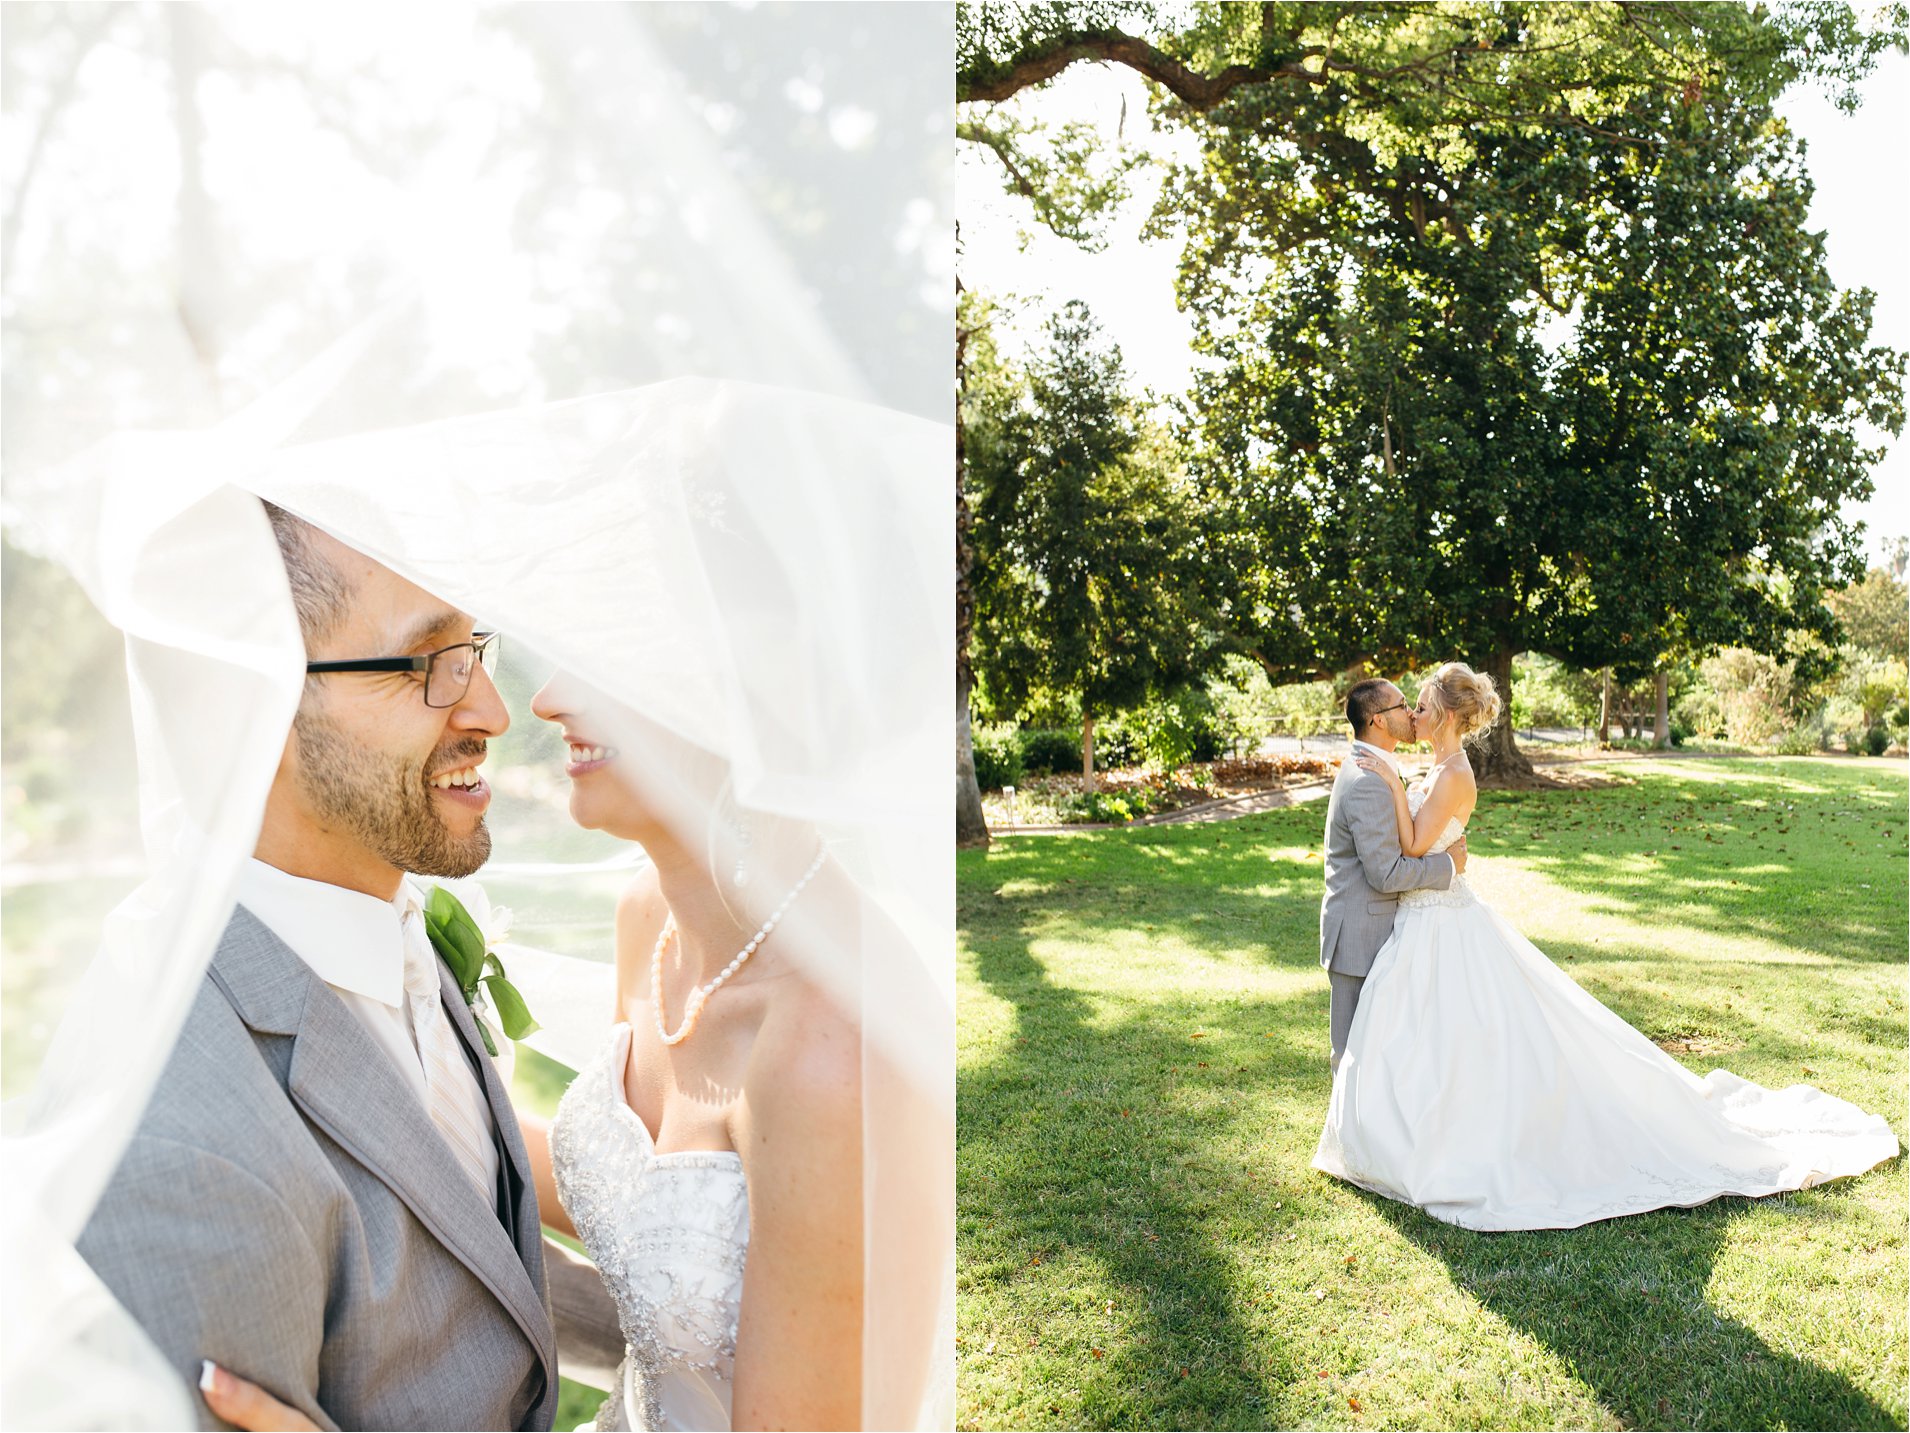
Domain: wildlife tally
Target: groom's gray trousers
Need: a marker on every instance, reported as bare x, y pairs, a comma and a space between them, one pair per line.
287, 1209
1365, 872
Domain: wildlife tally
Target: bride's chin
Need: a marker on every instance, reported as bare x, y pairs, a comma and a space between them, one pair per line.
601, 811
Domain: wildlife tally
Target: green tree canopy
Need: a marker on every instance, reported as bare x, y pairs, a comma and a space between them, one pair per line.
1086, 540
1608, 407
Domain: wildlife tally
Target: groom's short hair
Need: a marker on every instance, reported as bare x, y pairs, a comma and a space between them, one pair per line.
320, 593
1362, 701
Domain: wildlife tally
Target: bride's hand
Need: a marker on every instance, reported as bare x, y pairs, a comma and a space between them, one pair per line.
246, 1405
1366, 761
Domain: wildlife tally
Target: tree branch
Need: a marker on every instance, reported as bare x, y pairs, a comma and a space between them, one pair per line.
1201, 92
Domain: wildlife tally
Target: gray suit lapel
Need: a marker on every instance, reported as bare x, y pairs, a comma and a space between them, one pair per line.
345, 1084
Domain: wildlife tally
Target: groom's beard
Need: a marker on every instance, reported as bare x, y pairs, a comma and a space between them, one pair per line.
383, 801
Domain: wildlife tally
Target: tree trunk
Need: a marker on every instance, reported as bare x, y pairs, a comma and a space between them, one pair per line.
1605, 708
1087, 752
1661, 728
1497, 757
971, 824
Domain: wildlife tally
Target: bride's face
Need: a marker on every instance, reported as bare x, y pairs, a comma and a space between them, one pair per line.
628, 775
1426, 721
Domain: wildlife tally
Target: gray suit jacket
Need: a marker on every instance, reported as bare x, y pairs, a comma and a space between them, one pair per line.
288, 1210
1366, 870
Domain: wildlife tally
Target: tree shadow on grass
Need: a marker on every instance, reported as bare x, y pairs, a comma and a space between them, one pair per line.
1042, 1180
1584, 1293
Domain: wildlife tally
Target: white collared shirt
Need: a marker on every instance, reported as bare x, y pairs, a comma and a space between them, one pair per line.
354, 943
1381, 752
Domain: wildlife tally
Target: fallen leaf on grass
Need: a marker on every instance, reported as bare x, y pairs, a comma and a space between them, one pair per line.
1321, 1373
1349, 1258
1353, 1403
1319, 1293
1098, 1353
1198, 1035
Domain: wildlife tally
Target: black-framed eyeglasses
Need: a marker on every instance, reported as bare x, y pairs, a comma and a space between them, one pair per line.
447, 671
1396, 707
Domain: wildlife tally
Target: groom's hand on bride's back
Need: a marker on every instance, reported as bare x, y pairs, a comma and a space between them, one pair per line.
1457, 850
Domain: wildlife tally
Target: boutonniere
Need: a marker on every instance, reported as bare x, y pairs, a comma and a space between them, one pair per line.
468, 946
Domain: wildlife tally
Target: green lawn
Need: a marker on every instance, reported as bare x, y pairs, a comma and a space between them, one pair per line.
1143, 1073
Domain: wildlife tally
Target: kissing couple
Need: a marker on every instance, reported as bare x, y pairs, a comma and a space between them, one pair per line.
1471, 1076
330, 1214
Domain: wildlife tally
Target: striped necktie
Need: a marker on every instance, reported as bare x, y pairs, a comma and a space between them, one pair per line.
456, 1099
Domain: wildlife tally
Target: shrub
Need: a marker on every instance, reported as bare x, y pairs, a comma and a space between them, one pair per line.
1699, 711
1115, 744
1805, 740
1111, 806
1182, 727
997, 756
1754, 692
1877, 740
1044, 751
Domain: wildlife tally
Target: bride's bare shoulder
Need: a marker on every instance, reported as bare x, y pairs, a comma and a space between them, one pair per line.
808, 1046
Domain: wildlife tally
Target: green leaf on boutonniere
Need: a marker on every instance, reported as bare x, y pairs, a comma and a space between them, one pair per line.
456, 937
511, 1010
461, 944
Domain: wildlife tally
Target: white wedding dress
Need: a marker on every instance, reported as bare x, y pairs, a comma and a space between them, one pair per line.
669, 1233
1481, 1084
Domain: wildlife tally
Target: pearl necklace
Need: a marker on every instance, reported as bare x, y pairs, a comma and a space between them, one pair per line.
699, 995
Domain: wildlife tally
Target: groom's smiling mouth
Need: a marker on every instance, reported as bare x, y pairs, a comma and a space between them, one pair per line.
462, 785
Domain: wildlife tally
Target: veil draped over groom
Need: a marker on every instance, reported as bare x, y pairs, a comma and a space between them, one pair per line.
742, 562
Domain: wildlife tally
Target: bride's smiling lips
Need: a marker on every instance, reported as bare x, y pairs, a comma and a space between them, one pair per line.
586, 757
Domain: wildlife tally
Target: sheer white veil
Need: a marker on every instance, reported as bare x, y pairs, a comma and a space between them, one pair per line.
633, 373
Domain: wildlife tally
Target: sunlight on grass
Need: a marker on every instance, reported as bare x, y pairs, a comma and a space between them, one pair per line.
1143, 1074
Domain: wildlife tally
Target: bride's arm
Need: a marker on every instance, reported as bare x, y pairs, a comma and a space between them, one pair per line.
1402, 811
799, 1337
550, 1208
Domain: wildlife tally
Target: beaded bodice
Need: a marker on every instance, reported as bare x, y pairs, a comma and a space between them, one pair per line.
1458, 893
668, 1232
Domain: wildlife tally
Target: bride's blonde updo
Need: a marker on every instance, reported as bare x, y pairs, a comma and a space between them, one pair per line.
1468, 697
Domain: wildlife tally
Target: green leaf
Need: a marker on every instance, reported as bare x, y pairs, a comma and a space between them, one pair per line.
456, 937
490, 1045
511, 1010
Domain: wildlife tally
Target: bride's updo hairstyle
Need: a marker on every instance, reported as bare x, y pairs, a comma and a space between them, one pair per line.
1468, 697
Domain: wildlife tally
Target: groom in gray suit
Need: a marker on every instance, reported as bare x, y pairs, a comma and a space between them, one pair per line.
328, 1193
1365, 868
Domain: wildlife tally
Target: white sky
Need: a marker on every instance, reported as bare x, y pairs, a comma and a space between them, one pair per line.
1856, 161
